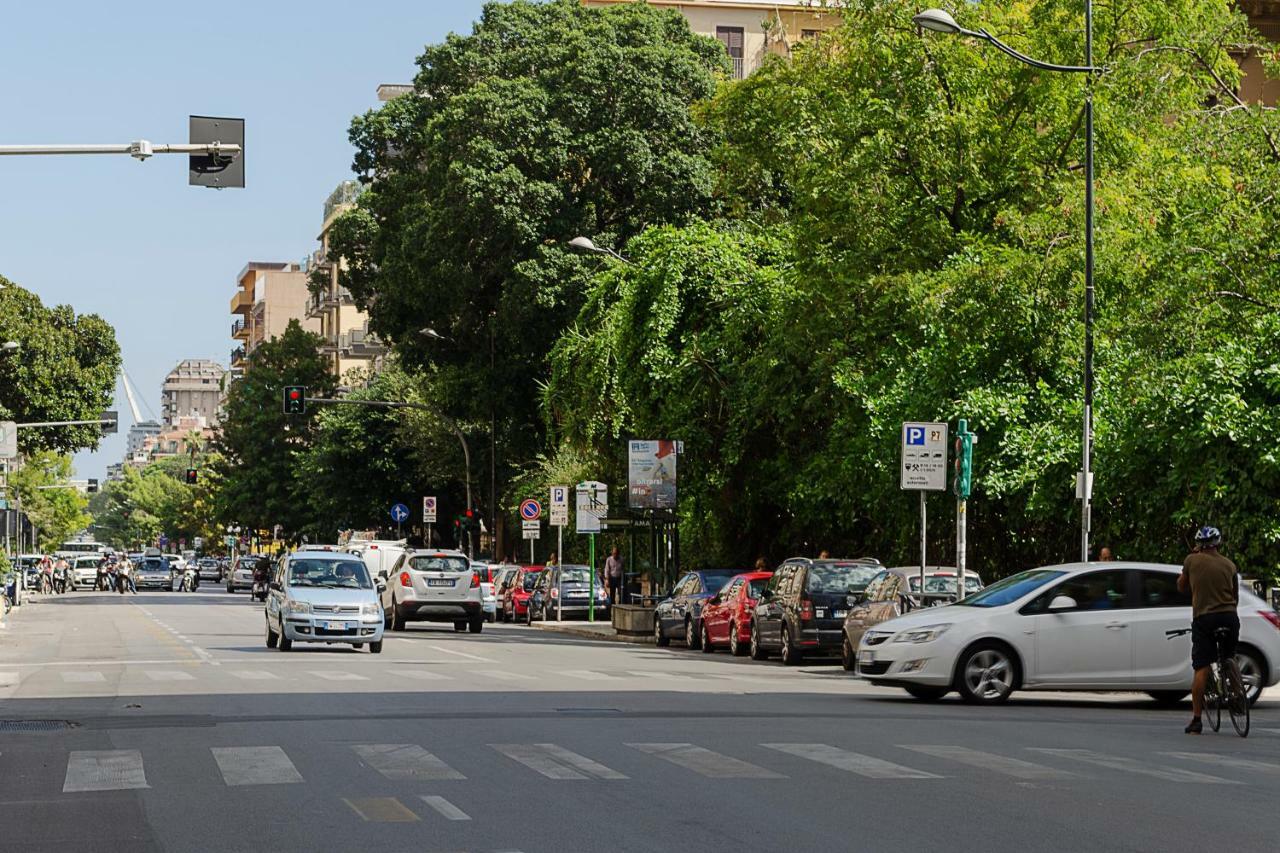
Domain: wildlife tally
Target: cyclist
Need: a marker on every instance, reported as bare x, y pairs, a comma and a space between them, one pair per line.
1213, 582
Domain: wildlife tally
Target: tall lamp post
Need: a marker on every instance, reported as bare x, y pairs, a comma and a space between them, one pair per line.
939, 21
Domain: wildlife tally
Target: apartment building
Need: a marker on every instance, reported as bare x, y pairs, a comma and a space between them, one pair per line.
348, 343
750, 30
193, 388
268, 295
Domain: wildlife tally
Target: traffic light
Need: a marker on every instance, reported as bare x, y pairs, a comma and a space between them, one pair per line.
192, 476
965, 440
217, 171
92, 487
295, 400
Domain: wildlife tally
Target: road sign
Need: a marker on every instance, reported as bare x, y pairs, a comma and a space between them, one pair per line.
924, 456
559, 505
530, 510
399, 513
532, 529
429, 510
8, 439
592, 504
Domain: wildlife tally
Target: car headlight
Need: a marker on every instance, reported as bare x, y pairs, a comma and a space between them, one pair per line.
926, 634
297, 607
370, 609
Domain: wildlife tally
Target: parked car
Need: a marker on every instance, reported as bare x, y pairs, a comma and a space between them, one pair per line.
1078, 626
680, 613
893, 592
153, 572
503, 575
567, 591
433, 586
323, 597
517, 592
488, 600
802, 609
241, 574
209, 569
30, 566
726, 616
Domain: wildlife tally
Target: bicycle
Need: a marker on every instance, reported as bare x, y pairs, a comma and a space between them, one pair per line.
1225, 686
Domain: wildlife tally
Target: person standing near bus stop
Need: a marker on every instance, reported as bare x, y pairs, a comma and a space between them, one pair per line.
613, 575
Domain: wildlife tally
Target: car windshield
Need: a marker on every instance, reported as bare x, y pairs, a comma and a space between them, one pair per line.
439, 563
335, 574
757, 587
841, 577
530, 580
1011, 588
714, 580
942, 584
87, 563
575, 574
154, 564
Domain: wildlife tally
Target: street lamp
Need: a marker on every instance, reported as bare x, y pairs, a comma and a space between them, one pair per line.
10, 346
939, 21
432, 333
584, 244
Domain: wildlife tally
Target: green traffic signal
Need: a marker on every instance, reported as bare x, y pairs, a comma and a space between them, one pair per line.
963, 482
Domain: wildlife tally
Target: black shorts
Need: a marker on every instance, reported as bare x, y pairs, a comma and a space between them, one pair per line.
1204, 645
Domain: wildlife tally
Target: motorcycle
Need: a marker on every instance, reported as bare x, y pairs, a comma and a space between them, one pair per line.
259, 591
190, 580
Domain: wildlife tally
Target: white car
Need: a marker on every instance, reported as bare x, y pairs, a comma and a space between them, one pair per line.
1079, 626
84, 572
323, 597
433, 586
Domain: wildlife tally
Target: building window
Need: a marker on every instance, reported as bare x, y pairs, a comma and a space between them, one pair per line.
810, 35
731, 38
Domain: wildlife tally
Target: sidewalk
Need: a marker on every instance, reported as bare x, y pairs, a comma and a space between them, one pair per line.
592, 630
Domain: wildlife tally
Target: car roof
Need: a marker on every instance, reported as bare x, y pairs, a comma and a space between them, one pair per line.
435, 552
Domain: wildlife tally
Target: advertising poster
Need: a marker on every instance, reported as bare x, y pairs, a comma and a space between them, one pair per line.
651, 474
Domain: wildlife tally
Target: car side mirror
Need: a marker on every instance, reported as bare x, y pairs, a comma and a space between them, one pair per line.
715, 599
1062, 602
382, 585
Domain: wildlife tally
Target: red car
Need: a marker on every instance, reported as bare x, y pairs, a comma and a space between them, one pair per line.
515, 600
726, 617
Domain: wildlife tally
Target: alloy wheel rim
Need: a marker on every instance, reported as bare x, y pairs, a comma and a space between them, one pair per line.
733, 638
989, 674
1249, 674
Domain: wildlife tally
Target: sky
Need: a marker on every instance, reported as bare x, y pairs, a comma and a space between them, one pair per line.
129, 240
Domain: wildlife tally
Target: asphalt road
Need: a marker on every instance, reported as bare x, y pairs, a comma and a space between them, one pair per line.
167, 725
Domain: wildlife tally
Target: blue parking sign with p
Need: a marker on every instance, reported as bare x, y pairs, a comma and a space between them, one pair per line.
915, 435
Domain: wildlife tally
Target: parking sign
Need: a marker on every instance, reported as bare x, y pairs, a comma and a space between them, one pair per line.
924, 457
559, 505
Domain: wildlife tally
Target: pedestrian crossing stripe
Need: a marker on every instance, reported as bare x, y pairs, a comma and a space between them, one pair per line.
555, 762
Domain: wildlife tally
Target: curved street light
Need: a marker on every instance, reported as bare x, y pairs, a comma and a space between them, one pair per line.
585, 244
10, 346
940, 21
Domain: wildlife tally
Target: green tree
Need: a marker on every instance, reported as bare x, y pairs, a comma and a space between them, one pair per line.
57, 511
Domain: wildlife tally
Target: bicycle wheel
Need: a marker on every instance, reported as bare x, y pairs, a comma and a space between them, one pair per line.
1237, 698
1213, 700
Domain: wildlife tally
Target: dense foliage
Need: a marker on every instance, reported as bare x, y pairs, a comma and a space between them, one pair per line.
56, 510
133, 512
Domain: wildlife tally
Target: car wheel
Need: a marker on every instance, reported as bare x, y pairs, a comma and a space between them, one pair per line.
735, 645
272, 637
459, 627
1167, 698
848, 659
758, 651
386, 620
926, 694
706, 640
375, 647
475, 626
987, 674
285, 643
528, 615
791, 656
1252, 671
397, 618
491, 617
691, 637
660, 639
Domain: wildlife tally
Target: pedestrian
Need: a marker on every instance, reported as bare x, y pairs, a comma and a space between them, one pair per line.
1214, 584
1105, 555
761, 565
126, 577
613, 575
551, 560
824, 554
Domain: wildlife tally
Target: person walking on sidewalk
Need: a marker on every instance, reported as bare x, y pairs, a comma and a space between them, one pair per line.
613, 576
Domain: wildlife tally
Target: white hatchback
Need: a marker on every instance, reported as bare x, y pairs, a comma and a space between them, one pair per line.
323, 597
1080, 626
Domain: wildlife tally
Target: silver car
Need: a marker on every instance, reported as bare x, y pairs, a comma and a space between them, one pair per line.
433, 586
323, 597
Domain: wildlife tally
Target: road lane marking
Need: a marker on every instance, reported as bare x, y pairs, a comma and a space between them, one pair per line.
1128, 765
404, 761
713, 765
990, 761
422, 675
381, 810
8, 679
83, 677
105, 770
255, 765
555, 762
1227, 761
169, 675
502, 675
853, 762
588, 675
449, 651
447, 809
254, 674
336, 675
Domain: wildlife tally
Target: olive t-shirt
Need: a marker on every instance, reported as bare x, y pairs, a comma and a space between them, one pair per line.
1212, 578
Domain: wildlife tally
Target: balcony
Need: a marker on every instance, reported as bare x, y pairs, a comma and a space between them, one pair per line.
319, 303
237, 357
361, 343
242, 302
238, 331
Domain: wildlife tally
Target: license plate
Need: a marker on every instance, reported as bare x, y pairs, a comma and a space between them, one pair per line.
839, 614
821, 613
439, 582
336, 626
867, 657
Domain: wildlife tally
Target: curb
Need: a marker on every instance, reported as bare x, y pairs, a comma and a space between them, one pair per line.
563, 628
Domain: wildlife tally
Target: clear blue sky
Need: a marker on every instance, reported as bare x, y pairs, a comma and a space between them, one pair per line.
131, 241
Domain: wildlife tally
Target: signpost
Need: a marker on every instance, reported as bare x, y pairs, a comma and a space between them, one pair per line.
559, 505
592, 504
924, 468
429, 515
530, 515
399, 514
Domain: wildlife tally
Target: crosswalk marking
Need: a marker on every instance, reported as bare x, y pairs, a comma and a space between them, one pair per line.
449, 651
555, 762
381, 810
1169, 774
83, 677
255, 765
1227, 761
588, 675
447, 809
404, 761
502, 675
336, 675
106, 770
989, 761
713, 765
254, 674
169, 675
853, 762
8, 679
423, 675
650, 673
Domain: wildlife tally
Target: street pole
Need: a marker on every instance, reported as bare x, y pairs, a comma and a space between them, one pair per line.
962, 535
591, 599
1086, 486
924, 542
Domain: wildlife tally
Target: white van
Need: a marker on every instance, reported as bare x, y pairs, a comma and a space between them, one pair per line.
379, 555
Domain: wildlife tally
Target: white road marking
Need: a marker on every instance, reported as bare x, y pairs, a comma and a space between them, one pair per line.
255, 765
8, 679
990, 761
502, 675
649, 673
588, 675
1227, 761
555, 762
422, 675
450, 651
447, 809
404, 761
106, 770
1169, 774
169, 675
83, 677
713, 765
336, 675
254, 674
853, 762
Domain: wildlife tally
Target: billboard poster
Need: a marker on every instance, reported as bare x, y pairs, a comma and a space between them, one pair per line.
651, 474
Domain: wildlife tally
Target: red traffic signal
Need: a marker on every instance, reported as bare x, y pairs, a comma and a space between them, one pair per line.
192, 476
295, 400
471, 513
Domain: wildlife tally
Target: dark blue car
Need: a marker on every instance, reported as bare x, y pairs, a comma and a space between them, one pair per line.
680, 614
